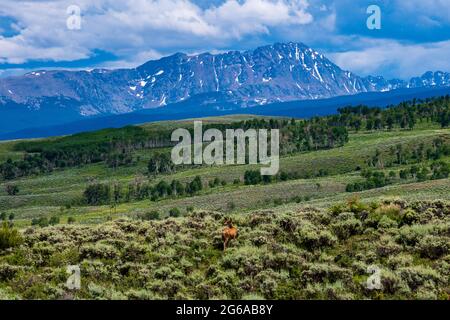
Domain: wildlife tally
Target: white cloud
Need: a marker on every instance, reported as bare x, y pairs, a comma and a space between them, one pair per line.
130, 26
139, 30
237, 19
402, 60
431, 10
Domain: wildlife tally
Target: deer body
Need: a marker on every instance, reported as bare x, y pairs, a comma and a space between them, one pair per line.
229, 232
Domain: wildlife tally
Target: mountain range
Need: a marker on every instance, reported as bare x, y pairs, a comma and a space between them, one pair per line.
277, 73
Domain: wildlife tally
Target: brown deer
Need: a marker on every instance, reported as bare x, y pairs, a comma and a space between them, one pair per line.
229, 232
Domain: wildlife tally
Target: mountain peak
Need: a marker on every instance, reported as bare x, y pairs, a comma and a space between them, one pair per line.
272, 73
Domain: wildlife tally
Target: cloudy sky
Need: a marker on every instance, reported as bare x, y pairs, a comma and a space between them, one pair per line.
414, 38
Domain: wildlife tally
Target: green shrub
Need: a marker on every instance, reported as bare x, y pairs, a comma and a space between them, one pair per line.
385, 223
417, 276
245, 260
426, 292
54, 220
11, 189
347, 228
328, 291
337, 209
386, 246
231, 206
149, 215
433, 247
174, 212
386, 214
98, 250
313, 238
400, 260
323, 273
6, 294
278, 201
267, 282
8, 272
134, 252
409, 217
252, 177
9, 237
392, 283
392, 211
97, 194
410, 235
41, 222
356, 206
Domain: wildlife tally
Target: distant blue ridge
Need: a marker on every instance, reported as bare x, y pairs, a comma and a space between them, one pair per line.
191, 109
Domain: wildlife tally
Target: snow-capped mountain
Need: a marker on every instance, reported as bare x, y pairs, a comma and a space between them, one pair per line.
280, 72
430, 79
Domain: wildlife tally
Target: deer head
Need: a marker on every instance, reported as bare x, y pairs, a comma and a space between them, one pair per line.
228, 222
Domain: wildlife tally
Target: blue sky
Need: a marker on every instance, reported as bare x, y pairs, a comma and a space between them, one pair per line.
414, 38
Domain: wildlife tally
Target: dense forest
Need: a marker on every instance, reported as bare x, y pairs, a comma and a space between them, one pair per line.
405, 115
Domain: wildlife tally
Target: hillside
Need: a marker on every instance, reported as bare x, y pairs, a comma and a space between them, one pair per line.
301, 253
367, 186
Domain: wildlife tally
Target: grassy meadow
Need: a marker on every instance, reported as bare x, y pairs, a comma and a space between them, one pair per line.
50, 193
